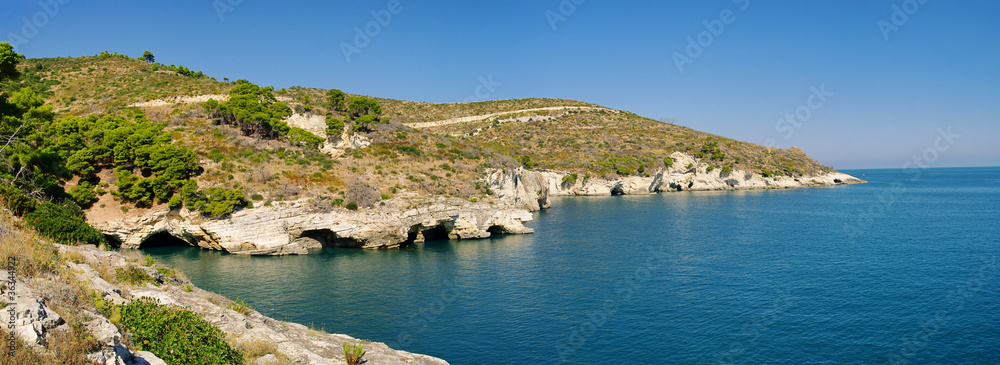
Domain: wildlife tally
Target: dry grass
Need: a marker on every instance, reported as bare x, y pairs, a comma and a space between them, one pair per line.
106, 269
71, 347
132, 255
33, 257
253, 349
22, 355
74, 257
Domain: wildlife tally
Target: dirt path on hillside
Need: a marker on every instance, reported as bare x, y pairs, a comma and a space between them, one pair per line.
475, 118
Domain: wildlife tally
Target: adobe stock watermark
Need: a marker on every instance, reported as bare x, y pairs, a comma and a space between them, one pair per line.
954, 302
223, 7
594, 320
363, 36
429, 313
713, 29
792, 121
899, 16
754, 330
484, 90
11, 291
565, 9
887, 197
31, 27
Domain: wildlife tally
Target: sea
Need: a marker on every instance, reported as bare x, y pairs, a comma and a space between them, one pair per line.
903, 269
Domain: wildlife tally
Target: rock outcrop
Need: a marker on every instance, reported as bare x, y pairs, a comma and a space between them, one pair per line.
522, 188
295, 343
292, 228
687, 173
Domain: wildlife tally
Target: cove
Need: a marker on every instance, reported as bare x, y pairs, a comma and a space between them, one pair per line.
848, 274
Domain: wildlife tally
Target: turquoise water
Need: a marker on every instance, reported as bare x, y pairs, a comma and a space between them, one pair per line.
891, 271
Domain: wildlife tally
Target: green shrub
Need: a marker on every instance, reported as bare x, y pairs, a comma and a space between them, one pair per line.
303, 138
83, 194
132, 275
352, 206
15, 200
726, 170
409, 149
334, 126
569, 180
177, 336
62, 224
668, 162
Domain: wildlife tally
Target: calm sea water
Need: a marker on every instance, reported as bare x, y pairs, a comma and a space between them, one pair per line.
894, 270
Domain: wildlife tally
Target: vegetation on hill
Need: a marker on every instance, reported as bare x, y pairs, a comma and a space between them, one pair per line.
610, 144
210, 156
42, 155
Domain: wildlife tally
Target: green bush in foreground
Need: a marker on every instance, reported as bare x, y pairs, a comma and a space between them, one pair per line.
175, 335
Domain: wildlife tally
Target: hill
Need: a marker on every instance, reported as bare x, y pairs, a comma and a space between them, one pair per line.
135, 143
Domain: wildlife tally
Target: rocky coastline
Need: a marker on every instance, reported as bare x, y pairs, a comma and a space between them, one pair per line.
34, 321
296, 227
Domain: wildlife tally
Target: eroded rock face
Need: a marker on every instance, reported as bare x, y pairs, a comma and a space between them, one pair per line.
524, 189
292, 228
681, 177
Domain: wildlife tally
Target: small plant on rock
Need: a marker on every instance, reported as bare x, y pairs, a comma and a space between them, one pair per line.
353, 352
241, 306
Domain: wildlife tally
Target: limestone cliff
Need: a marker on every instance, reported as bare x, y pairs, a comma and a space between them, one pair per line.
687, 173
295, 227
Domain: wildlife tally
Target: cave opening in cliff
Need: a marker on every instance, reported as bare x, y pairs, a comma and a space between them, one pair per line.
325, 238
163, 239
113, 241
435, 234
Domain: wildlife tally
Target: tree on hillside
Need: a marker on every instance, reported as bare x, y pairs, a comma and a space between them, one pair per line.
148, 56
8, 61
363, 105
337, 100
365, 112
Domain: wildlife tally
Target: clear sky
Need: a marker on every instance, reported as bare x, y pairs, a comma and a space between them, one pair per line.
886, 81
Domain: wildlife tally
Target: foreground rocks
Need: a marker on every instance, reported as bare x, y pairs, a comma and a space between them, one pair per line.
296, 227
291, 342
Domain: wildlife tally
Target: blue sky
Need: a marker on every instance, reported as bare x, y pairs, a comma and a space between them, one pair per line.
887, 95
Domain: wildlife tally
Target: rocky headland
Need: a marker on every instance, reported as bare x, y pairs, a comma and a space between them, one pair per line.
296, 227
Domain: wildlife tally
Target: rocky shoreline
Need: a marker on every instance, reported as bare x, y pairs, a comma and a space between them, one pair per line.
34, 321
296, 227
